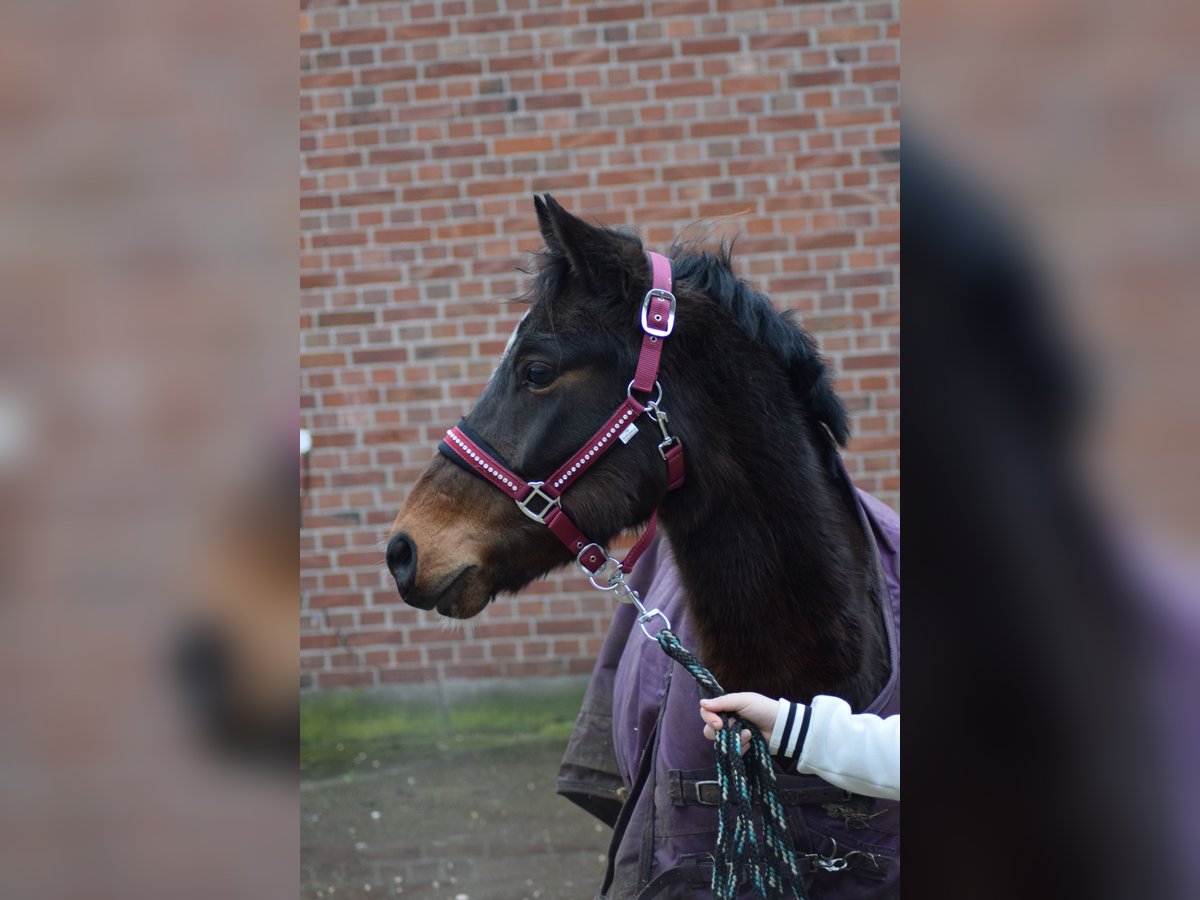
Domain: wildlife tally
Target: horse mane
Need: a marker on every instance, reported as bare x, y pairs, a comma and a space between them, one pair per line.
711, 273
780, 332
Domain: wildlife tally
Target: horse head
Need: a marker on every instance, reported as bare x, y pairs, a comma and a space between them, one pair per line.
458, 542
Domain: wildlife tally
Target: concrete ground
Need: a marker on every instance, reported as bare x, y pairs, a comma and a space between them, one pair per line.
454, 802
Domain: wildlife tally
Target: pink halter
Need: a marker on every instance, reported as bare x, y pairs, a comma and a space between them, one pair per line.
541, 500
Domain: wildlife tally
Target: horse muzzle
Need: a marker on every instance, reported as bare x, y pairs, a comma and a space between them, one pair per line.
402, 563
452, 594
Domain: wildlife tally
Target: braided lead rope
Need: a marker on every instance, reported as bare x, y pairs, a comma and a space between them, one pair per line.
745, 782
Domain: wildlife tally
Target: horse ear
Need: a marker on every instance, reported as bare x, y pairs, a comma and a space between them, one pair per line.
546, 223
594, 254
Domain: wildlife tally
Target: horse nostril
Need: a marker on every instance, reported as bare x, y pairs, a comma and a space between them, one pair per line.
402, 561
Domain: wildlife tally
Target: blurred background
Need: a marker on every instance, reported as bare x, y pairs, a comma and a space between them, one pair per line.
1050, 230
148, 455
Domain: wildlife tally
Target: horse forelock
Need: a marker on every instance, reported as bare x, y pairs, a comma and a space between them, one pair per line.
508, 347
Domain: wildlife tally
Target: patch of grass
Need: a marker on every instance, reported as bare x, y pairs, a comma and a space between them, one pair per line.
337, 729
355, 716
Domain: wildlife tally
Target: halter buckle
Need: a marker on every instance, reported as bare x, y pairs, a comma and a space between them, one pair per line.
657, 330
537, 492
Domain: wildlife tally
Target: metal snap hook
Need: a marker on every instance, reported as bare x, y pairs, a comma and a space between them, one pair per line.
651, 614
654, 402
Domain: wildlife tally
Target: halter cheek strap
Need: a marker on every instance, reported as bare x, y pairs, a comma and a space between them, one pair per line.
541, 500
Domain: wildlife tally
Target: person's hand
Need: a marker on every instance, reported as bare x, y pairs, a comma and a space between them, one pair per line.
754, 708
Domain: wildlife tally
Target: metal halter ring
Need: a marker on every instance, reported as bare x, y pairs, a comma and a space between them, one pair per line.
657, 400
610, 571
613, 580
646, 616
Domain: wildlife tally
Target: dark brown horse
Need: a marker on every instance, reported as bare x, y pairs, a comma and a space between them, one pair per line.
775, 562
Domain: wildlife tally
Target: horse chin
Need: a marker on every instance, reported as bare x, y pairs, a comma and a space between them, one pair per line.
449, 594
463, 595
471, 592
466, 605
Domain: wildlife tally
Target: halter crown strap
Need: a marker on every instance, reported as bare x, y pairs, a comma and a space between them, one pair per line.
540, 500
658, 320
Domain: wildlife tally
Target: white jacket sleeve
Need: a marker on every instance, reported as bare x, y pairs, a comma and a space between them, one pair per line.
860, 753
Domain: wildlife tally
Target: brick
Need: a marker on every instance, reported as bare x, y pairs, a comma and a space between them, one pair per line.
847, 35
402, 235
451, 69
546, 19
390, 354
816, 78
387, 75
564, 626
342, 239
746, 84
639, 52
373, 276
836, 118
322, 360
608, 13
320, 80
406, 32
760, 42
871, 361
680, 8
674, 89
466, 229
707, 46
801, 122
374, 638
325, 601
390, 155
430, 192
514, 63
336, 320
485, 24
554, 101
483, 188
318, 641
587, 57
365, 198
720, 128
656, 133
534, 144
875, 74
357, 36
353, 560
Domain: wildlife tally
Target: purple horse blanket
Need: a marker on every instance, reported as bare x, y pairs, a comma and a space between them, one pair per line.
637, 758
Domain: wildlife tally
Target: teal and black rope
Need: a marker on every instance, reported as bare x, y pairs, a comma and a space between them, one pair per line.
746, 783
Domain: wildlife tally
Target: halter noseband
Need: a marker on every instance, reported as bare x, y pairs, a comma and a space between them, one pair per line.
541, 500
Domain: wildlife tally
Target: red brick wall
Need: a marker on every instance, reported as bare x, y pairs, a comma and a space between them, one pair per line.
425, 128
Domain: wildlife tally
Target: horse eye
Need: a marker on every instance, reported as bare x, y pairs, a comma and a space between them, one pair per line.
539, 374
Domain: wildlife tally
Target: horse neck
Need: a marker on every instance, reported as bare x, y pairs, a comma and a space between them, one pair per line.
779, 576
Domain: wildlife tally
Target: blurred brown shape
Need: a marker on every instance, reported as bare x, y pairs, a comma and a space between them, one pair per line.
147, 213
